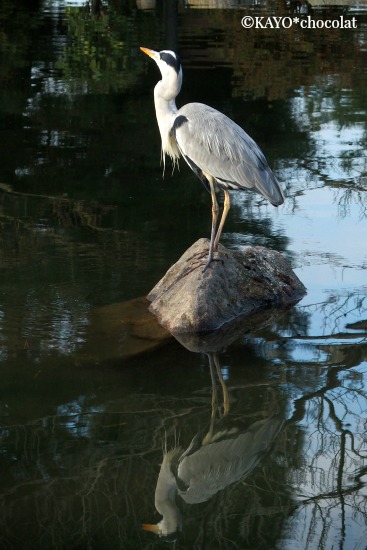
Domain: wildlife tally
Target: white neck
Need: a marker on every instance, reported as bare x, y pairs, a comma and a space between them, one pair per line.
165, 94
165, 497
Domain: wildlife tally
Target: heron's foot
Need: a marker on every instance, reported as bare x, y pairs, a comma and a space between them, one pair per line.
210, 260
212, 251
197, 258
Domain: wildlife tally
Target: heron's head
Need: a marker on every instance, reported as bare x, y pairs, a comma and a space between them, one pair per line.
162, 530
170, 66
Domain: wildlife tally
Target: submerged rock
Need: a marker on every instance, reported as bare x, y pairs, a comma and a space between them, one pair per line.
237, 283
121, 331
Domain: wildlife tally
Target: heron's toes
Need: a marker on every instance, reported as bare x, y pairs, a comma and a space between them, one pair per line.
207, 264
198, 259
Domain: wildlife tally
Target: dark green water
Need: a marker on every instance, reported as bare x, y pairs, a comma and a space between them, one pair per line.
87, 221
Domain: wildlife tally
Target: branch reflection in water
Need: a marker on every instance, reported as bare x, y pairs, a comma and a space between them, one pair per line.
94, 460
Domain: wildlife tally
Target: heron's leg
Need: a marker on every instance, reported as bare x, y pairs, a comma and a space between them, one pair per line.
207, 439
224, 386
215, 210
226, 207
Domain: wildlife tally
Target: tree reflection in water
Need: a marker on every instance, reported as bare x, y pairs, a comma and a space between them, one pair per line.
89, 471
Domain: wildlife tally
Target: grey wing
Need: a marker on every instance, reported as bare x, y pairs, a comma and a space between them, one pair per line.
219, 464
213, 144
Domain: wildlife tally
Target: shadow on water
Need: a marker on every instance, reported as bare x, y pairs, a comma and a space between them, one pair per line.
94, 394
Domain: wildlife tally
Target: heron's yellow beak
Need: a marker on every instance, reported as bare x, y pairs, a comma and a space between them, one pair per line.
151, 53
148, 526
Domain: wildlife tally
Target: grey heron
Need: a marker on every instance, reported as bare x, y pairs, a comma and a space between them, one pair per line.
219, 152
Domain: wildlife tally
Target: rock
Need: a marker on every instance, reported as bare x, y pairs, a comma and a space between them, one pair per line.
237, 283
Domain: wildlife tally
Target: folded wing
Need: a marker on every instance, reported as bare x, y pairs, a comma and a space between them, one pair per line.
212, 144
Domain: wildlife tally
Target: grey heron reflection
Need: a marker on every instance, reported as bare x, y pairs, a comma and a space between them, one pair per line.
216, 458
219, 152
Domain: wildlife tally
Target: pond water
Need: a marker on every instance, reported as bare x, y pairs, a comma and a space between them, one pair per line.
88, 403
